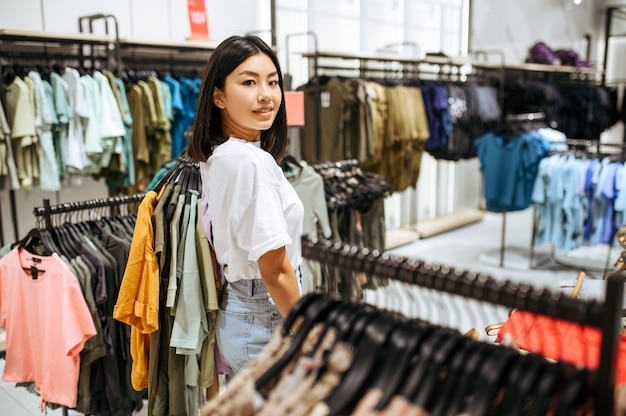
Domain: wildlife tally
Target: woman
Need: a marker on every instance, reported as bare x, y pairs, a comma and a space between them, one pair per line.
240, 126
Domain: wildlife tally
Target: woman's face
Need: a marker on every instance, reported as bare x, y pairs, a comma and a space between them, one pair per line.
250, 99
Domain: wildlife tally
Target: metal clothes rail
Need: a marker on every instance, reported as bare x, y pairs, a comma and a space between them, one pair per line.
605, 316
93, 51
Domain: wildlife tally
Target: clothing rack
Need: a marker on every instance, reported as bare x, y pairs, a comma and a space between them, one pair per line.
604, 316
476, 65
385, 65
342, 165
590, 148
47, 210
93, 51
612, 13
351, 167
352, 195
508, 119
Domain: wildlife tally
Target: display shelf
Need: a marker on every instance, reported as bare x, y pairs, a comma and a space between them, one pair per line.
34, 37
187, 45
454, 61
50, 37
95, 51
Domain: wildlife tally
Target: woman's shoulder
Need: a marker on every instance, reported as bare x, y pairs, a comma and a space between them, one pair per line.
236, 153
237, 150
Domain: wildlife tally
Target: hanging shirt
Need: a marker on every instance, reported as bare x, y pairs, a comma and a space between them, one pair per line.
509, 167
20, 112
60, 132
310, 188
79, 114
138, 299
45, 119
111, 126
47, 322
190, 324
139, 138
620, 199
177, 114
5, 135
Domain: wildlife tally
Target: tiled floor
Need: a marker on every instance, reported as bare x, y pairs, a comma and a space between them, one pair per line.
474, 247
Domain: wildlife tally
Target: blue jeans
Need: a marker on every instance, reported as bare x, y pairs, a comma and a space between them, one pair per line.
246, 321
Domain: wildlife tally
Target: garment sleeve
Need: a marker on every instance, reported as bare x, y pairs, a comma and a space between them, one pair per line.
320, 208
539, 188
620, 201
257, 220
267, 222
138, 299
78, 326
609, 190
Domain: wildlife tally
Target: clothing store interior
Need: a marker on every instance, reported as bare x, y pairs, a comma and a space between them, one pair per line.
461, 164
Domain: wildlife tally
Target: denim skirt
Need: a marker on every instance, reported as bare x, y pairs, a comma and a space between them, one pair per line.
246, 321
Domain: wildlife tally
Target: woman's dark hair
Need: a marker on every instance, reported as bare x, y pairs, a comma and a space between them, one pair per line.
207, 126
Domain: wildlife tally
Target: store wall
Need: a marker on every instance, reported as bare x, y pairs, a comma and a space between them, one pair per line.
154, 20
513, 26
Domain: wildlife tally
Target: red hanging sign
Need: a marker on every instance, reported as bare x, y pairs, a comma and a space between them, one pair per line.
198, 21
294, 103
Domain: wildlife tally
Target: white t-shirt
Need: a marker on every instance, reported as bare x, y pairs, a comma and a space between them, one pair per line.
253, 206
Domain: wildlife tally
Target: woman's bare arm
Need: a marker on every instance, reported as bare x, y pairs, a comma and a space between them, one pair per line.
279, 279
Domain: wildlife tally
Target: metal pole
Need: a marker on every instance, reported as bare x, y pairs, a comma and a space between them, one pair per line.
14, 214
610, 343
607, 35
273, 21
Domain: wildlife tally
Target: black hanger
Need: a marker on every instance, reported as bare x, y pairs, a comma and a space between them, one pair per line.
522, 378
351, 331
401, 351
171, 173
492, 373
370, 348
454, 375
339, 318
60, 242
345, 319
185, 176
65, 241
290, 166
289, 159
425, 353
34, 271
573, 393
312, 308
546, 385
37, 241
9, 75
437, 362
474, 358
129, 221
519, 387
170, 208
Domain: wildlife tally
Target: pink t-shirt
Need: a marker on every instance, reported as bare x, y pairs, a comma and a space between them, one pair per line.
47, 323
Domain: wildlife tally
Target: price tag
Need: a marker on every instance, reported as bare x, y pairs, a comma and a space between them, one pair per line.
325, 99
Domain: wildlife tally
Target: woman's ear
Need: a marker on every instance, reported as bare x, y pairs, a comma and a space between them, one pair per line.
218, 98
